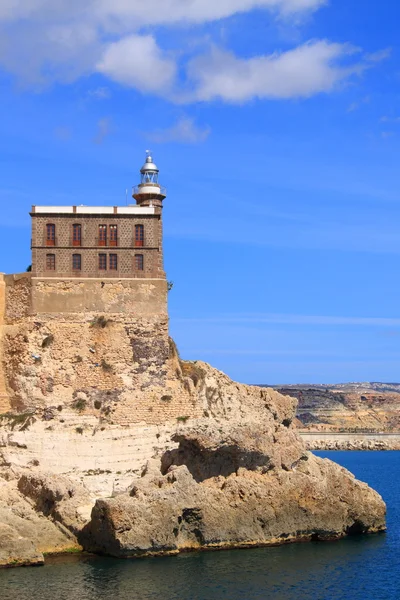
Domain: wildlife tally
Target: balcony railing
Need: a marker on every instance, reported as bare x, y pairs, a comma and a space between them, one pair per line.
158, 189
50, 243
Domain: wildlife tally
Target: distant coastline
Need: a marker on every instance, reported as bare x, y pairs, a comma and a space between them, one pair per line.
316, 440
347, 416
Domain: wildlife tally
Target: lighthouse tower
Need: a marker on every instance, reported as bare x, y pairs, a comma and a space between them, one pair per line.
149, 192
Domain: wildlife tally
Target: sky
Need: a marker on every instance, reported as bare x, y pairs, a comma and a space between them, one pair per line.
276, 128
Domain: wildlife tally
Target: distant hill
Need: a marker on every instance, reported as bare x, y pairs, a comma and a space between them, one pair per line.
346, 407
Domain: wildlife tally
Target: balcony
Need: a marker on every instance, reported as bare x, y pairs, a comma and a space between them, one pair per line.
106, 243
149, 188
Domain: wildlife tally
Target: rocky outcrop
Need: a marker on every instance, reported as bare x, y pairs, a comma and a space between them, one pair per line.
63, 500
219, 464
25, 532
239, 495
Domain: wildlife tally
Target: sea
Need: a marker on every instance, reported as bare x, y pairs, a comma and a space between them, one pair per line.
357, 568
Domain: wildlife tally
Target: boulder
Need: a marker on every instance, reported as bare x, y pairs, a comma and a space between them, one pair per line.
233, 492
17, 551
59, 497
25, 534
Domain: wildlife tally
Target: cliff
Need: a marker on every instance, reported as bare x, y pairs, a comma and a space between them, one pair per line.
348, 416
111, 443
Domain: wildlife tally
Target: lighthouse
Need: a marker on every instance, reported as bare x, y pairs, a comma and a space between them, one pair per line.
149, 192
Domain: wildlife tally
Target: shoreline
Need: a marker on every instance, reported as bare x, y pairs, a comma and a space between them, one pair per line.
316, 440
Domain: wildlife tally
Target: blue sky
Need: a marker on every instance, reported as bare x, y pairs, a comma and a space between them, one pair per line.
275, 124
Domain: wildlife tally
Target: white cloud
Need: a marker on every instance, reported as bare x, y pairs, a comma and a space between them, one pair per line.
137, 61
307, 70
117, 13
62, 40
185, 131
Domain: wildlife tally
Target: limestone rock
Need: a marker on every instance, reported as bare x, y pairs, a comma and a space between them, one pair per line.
16, 550
229, 494
66, 501
25, 534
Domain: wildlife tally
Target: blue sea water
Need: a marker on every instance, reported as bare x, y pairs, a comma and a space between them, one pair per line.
359, 568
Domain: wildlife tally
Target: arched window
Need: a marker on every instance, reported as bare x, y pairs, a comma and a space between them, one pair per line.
139, 235
77, 234
50, 234
76, 262
50, 262
139, 262
113, 235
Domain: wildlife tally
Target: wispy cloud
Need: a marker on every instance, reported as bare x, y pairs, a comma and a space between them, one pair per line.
302, 72
292, 319
185, 131
366, 232
387, 134
386, 119
99, 93
68, 39
103, 130
356, 105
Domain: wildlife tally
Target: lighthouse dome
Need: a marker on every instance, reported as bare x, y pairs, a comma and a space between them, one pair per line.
149, 165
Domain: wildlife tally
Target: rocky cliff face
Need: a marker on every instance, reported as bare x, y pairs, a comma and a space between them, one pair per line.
231, 472
347, 408
110, 443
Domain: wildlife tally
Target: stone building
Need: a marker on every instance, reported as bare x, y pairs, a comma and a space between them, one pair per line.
91, 245
91, 317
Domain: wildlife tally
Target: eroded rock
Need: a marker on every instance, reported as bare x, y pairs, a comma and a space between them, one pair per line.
227, 493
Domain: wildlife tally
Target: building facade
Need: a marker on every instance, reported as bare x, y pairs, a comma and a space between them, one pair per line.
95, 245
102, 242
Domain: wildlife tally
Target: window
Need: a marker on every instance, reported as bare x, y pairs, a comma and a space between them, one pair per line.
139, 263
76, 235
113, 235
50, 262
102, 235
102, 262
139, 235
76, 262
50, 234
113, 262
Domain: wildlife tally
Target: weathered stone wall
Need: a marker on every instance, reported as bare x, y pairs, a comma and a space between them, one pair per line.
18, 297
135, 297
99, 344
4, 398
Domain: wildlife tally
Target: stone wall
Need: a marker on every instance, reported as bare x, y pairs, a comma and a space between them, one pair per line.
100, 345
18, 297
136, 297
4, 399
